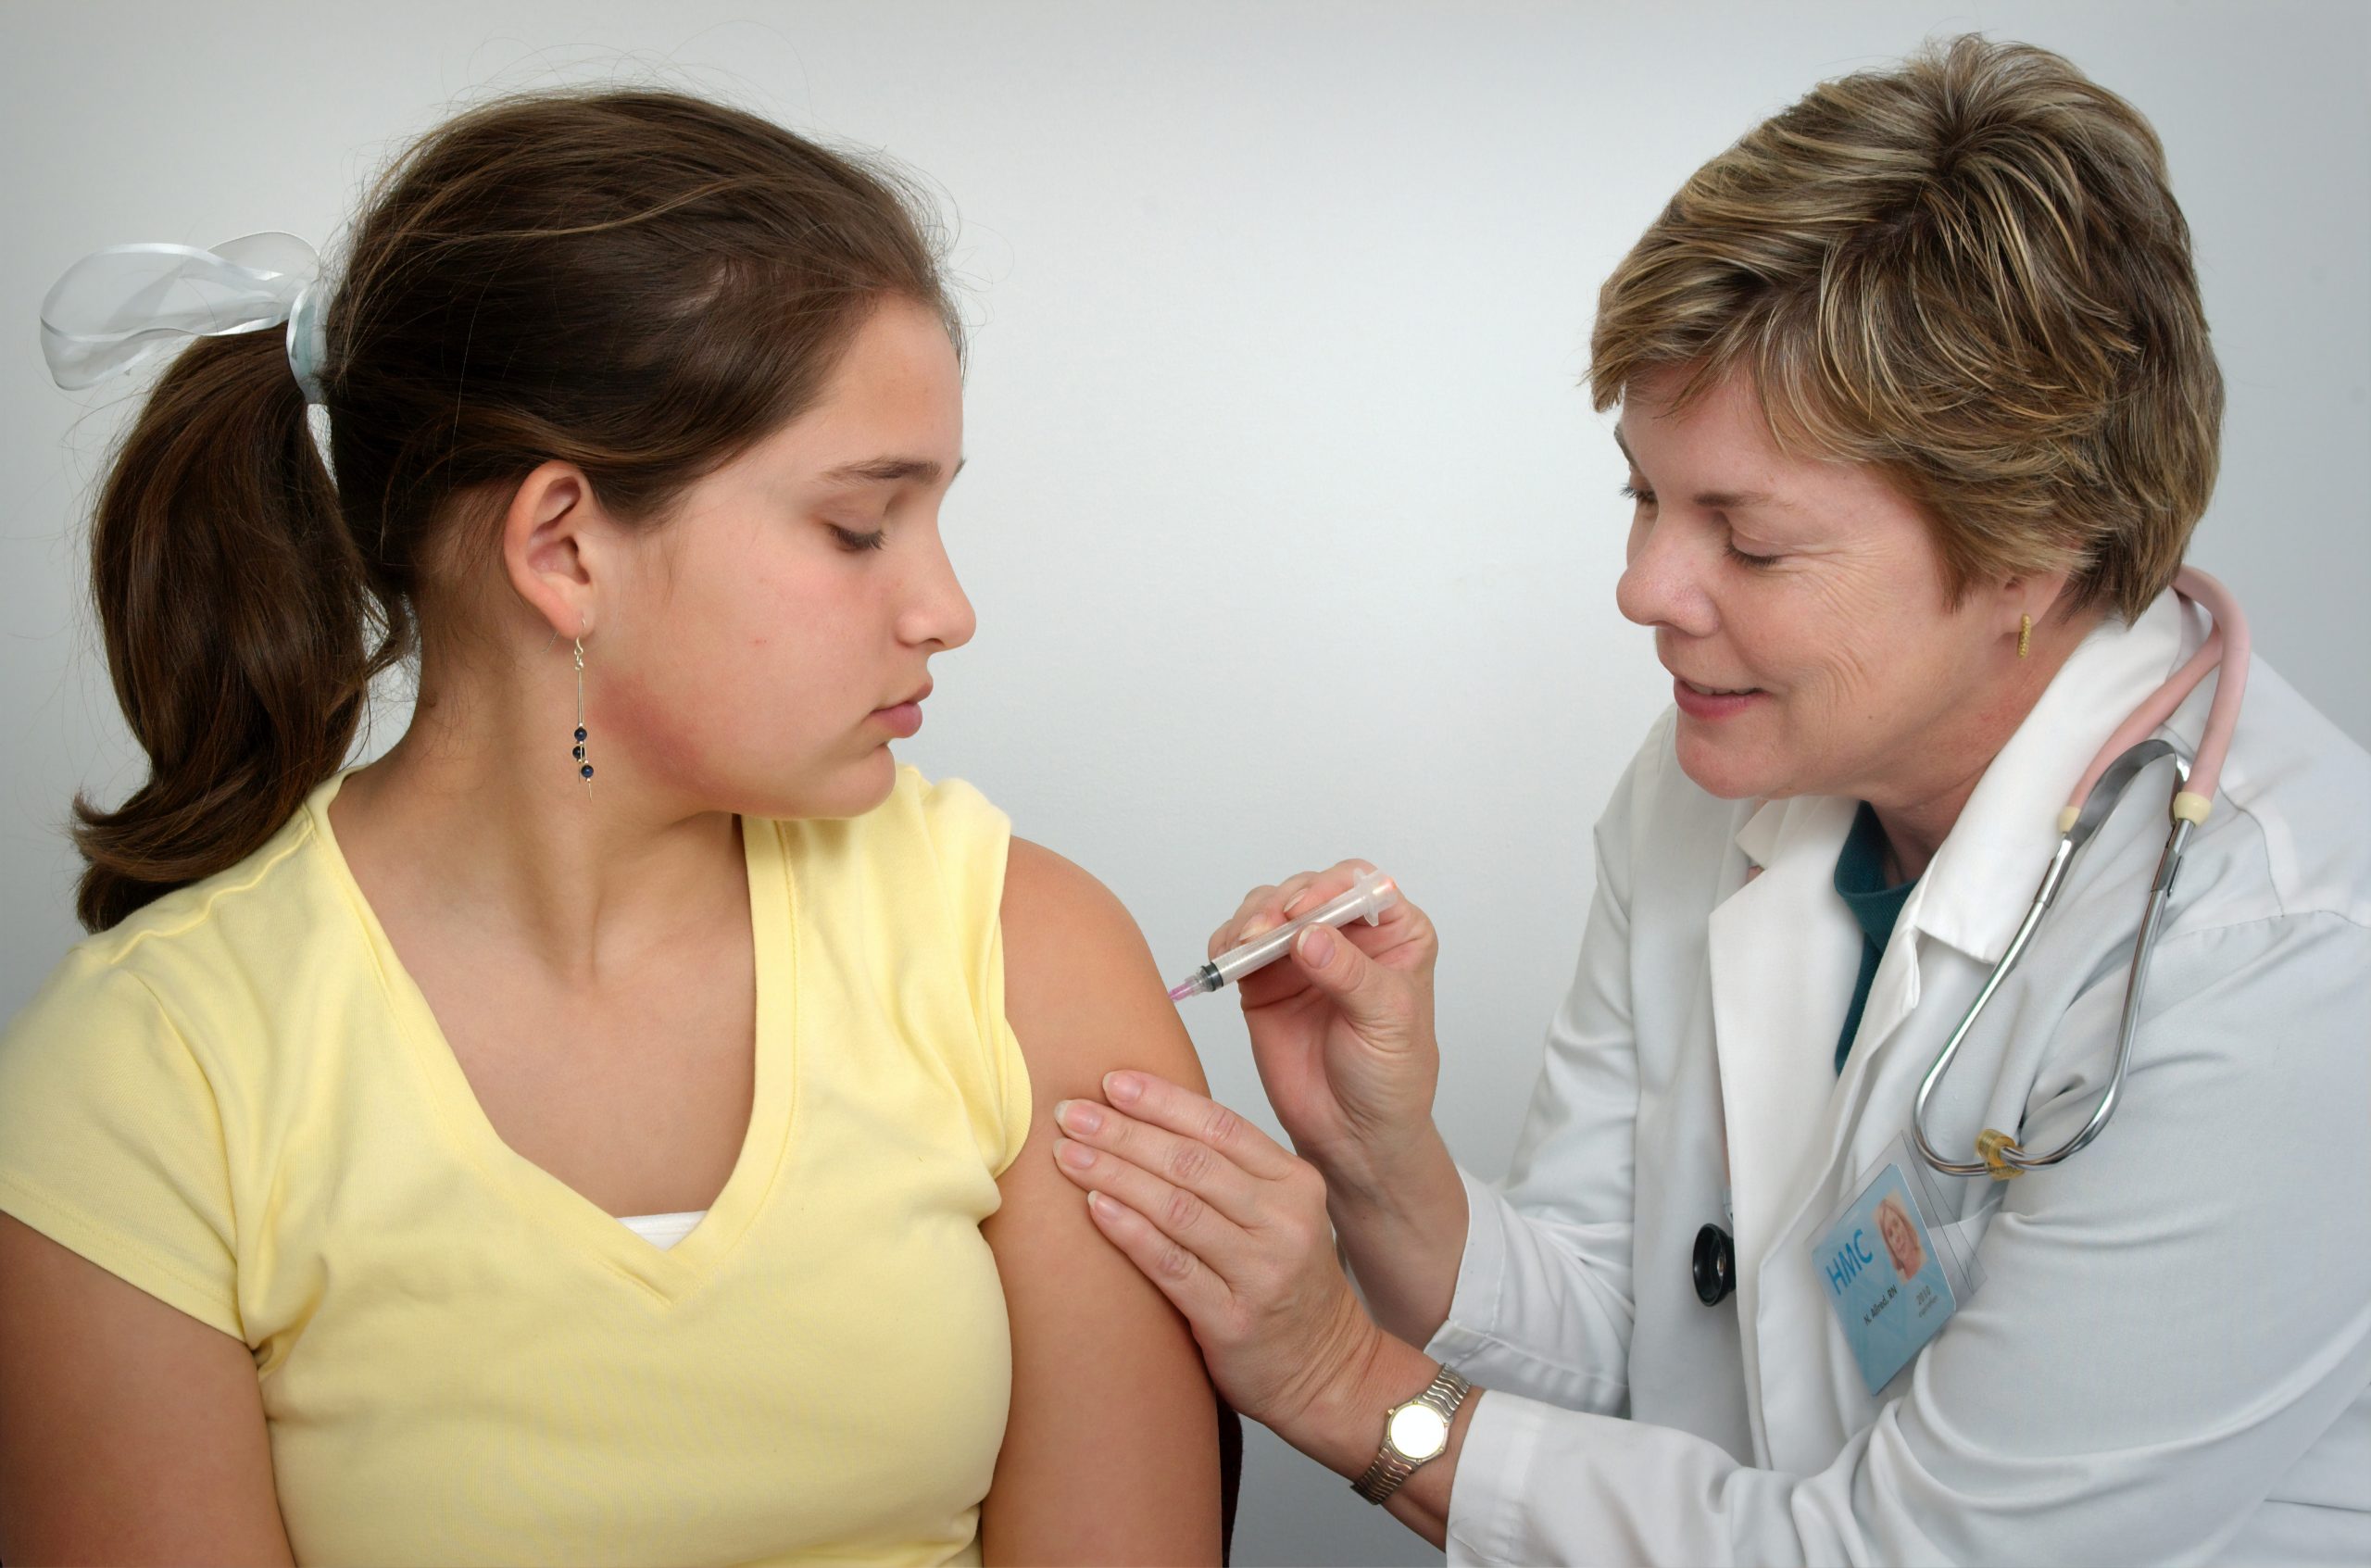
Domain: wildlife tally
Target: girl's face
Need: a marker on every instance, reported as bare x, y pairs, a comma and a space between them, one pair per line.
765, 646
1801, 606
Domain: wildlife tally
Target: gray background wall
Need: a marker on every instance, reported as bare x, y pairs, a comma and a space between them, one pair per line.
1279, 312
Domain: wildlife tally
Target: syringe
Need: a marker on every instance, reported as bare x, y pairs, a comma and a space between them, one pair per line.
1373, 894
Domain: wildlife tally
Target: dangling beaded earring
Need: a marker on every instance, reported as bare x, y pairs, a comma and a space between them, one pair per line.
583, 769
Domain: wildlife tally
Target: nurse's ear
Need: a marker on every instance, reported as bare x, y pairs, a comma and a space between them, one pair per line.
2032, 614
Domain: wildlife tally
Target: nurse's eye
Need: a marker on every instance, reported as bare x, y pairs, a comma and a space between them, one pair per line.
852, 541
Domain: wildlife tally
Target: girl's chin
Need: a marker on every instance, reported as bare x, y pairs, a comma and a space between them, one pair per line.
850, 788
855, 790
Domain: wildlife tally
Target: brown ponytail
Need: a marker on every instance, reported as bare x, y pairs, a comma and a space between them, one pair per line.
641, 284
233, 613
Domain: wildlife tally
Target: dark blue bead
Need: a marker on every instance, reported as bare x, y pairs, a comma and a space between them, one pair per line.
580, 732
580, 754
586, 770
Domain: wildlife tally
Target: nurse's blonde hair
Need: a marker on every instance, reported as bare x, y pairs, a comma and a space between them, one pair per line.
1970, 272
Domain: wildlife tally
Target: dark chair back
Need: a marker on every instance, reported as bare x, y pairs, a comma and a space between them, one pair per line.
1230, 1478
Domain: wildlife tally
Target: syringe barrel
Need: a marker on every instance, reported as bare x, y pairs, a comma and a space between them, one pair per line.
1373, 894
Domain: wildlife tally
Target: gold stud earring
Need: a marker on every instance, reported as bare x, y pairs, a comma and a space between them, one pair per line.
2025, 634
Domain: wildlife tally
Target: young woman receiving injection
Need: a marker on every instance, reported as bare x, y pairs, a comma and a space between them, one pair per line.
343, 1168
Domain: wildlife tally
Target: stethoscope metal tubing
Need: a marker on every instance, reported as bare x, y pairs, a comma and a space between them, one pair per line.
2103, 800
2042, 896
2136, 984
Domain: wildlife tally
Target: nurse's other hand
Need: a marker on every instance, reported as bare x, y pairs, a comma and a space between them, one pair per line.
1342, 1030
1230, 1227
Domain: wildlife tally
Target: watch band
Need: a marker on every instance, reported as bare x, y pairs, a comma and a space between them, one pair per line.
1391, 1467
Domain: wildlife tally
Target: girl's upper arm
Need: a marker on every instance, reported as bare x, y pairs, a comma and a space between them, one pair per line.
1110, 1454
130, 1431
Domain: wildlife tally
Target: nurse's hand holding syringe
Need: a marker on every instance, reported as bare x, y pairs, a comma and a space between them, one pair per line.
1343, 1035
1344, 1038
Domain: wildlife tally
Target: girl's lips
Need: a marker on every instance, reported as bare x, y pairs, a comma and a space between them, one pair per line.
903, 720
1700, 703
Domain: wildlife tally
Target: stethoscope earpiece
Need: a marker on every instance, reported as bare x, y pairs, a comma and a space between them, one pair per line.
1714, 1267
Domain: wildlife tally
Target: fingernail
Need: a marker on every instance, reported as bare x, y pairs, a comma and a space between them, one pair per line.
1077, 1156
1123, 1088
1078, 1116
1316, 946
1099, 1206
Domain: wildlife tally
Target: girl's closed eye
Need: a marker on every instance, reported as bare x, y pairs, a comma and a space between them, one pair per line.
853, 541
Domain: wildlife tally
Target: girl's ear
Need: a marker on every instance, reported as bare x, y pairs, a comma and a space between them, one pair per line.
554, 545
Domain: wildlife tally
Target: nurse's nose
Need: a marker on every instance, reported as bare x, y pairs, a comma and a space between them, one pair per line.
1662, 586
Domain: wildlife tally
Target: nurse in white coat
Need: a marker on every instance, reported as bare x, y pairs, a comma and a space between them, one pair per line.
1920, 411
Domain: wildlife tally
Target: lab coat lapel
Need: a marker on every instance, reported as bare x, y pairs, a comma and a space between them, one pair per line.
1783, 952
1817, 1392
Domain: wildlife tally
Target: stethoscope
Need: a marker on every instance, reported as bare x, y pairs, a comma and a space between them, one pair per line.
1713, 1265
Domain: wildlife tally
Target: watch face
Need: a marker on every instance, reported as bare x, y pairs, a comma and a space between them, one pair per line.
1418, 1432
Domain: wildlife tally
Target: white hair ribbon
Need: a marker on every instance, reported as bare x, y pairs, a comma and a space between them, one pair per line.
118, 307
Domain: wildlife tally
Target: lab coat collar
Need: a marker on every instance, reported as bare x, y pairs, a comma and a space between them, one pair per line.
1978, 887
1982, 880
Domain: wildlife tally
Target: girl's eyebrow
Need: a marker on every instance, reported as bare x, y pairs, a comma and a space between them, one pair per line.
888, 471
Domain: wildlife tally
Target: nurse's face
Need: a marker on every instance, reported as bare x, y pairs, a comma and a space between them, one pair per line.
1901, 1242
1801, 610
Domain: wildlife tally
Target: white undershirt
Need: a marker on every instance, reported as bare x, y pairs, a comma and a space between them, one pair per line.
663, 1231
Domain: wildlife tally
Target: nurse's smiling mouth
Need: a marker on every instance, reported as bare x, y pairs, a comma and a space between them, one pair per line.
1710, 702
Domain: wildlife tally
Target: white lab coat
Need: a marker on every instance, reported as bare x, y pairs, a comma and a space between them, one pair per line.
2169, 1358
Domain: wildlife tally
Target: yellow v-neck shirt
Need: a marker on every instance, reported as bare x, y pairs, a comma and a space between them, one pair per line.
237, 1100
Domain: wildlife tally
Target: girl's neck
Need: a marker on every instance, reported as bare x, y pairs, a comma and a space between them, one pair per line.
458, 819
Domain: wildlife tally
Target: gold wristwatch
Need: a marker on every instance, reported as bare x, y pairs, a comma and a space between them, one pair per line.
1413, 1434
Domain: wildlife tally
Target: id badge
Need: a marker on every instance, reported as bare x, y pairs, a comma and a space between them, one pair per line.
1891, 1280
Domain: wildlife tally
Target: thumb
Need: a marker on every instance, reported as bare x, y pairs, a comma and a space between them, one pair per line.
1366, 991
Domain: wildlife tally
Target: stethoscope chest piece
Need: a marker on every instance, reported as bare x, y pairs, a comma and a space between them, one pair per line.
1715, 1266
